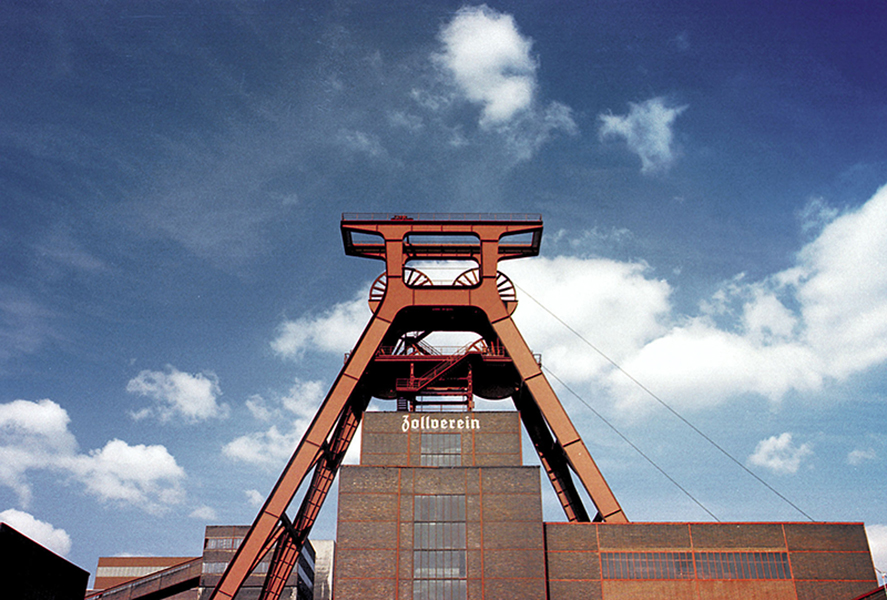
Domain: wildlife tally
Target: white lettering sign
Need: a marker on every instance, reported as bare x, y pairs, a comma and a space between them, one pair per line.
429, 423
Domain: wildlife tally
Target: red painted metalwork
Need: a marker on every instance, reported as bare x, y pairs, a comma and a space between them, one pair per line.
392, 360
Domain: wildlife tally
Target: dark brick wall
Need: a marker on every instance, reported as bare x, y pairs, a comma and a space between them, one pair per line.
504, 531
829, 561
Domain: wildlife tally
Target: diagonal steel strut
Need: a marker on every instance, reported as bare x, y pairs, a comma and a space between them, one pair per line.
286, 553
267, 528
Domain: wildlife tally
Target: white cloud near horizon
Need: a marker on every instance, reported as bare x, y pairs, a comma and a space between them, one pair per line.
822, 320
36, 437
43, 533
780, 454
647, 130
178, 395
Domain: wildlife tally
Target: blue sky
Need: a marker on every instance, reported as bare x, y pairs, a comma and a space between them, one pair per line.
175, 301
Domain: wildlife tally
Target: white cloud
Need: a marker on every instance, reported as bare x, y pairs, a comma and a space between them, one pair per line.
697, 365
823, 320
647, 129
255, 498
877, 535
145, 476
335, 330
780, 454
178, 395
490, 62
858, 456
841, 280
820, 321
204, 513
41, 532
612, 304
275, 445
35, 436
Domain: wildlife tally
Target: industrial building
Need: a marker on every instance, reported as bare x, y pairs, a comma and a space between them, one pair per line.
438, 511
441, 506
194, 578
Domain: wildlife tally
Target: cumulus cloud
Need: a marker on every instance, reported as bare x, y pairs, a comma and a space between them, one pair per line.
822, 320
614, 304
178, 395
490, 64
41, 532
335, 330
145, 476
647, 129
35, 436
841, 281
780, 454
274, 445
204, 513
795, 331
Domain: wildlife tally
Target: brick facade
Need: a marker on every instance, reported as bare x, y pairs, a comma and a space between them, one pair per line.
480, 533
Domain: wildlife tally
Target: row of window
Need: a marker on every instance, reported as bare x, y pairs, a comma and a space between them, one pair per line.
698, 565
127, 571
223, 543
439, 542
439, 508
441, 450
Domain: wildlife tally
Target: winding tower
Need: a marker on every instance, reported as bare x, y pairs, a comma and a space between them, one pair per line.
392, 361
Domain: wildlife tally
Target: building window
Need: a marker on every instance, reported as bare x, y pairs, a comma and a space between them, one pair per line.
128, 571
742, 565
647, 565
439, 543
708, 565
222, 543
441, 450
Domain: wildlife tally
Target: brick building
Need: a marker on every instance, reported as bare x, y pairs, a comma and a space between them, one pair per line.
441, 507
193, 578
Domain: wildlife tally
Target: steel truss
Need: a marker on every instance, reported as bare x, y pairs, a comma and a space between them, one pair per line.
405, 301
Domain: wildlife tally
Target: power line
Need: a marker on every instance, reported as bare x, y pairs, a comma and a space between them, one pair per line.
664, 404
629, 442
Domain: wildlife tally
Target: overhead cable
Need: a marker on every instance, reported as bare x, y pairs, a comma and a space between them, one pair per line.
665, 405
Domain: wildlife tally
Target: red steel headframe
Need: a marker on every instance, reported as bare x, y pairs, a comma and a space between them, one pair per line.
404, 303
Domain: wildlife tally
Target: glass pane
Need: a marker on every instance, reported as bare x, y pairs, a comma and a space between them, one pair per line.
441, 450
